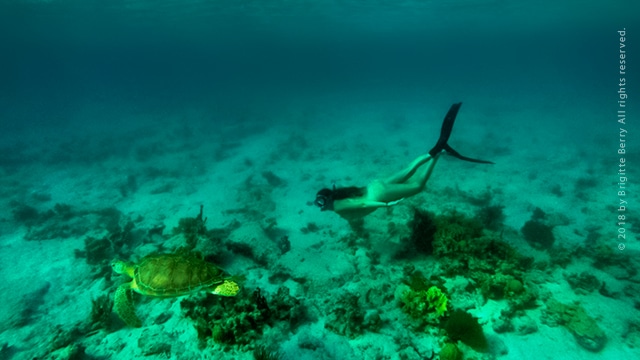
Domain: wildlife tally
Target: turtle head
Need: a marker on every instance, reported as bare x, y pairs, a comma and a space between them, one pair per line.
121, 267
227, 288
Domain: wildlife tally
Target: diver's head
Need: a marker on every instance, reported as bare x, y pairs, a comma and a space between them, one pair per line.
324, 199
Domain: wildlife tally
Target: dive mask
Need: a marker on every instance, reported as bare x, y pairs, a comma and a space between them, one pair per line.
324, 200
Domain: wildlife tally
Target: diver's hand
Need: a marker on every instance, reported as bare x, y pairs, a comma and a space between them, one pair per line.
391, 203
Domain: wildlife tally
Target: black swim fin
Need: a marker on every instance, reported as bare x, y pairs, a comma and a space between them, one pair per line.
445, 132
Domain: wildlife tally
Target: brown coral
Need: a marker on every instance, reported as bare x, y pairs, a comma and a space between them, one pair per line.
584, 328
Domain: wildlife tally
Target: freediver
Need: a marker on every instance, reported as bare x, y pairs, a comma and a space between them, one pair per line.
353, 203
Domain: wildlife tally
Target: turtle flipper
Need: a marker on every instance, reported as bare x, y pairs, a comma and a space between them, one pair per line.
123, 306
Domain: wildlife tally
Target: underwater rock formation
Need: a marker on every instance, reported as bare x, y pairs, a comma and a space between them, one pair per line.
155, 343
462, 326
423, 230
346, 317
583, 283
100, 317
63, 221
491, 216
192, 228
538, 235
583, 327
538, 231
251, 240
493, 265
242, 321
450, 351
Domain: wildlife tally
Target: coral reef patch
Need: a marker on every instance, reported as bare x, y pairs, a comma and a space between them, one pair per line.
583, 327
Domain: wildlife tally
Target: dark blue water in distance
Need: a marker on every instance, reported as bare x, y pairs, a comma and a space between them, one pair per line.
152, 55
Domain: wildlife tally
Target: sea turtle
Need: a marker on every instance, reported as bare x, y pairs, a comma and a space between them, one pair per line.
167, 275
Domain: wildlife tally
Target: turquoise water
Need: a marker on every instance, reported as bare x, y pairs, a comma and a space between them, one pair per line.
148, 53
121, 118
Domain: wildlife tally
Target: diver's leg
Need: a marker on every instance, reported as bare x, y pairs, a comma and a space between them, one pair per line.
404, 175
423, 177
414, 185
395, 192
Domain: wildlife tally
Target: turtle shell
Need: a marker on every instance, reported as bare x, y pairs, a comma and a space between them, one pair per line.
175, 275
